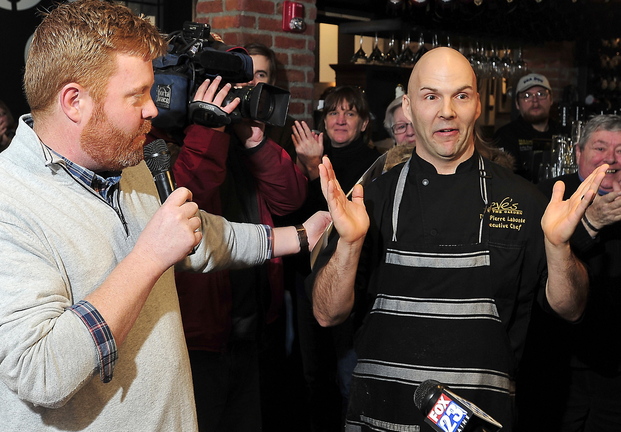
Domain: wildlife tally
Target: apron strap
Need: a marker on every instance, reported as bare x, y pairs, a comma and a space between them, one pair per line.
398, 196
483, 177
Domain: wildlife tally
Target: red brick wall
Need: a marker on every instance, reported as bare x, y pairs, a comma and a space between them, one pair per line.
556, 61
243, 21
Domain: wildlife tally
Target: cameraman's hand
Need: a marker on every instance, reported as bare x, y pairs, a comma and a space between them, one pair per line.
208, 92
249, 132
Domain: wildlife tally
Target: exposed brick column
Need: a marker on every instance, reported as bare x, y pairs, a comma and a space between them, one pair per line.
243, 21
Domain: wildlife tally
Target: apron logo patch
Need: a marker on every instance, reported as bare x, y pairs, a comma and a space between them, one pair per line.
506, 215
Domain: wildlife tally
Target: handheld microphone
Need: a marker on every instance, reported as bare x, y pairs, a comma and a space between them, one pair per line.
447, 412
157, 157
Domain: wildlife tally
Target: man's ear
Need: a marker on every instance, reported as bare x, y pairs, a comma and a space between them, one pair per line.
406, 108
75, 102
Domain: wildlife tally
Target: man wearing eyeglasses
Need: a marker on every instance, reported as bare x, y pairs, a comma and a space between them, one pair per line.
533, 129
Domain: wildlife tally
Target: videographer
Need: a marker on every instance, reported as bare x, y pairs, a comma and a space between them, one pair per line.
239, 173
277, 355
264, 65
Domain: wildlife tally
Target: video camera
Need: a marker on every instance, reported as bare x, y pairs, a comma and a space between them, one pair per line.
193, 56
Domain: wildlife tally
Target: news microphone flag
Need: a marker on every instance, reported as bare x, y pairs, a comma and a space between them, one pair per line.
447, 412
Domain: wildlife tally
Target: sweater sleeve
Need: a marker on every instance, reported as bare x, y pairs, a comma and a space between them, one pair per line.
228, 245
46, 352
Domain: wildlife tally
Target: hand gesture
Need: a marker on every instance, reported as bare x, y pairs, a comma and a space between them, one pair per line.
561, 217
172, 232
309, 149
350, 217
605, 209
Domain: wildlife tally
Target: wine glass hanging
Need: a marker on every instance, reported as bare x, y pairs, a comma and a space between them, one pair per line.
359, 56
376, 56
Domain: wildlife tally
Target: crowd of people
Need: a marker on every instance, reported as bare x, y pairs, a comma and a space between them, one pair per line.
295, 265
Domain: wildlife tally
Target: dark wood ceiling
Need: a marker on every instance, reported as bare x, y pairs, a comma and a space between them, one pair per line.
526, 20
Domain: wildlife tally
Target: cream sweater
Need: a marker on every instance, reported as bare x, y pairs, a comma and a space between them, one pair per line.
58, 242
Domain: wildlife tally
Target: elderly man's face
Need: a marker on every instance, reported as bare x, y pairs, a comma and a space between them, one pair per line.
603, 147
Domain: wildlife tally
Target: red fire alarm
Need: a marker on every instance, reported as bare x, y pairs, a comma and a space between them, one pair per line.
293, 16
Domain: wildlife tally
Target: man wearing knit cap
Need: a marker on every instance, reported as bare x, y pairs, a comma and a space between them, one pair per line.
533, 129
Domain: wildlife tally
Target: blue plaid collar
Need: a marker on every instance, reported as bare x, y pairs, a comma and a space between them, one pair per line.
104, 184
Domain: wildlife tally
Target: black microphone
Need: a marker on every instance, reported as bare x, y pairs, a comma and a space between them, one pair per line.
447, 412
157, 157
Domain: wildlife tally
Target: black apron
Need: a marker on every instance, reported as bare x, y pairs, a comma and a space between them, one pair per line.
438, 302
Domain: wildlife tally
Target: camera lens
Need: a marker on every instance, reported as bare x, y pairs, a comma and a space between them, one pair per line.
265, 106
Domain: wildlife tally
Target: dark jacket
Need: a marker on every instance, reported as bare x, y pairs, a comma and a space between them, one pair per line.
244, 186
526, 144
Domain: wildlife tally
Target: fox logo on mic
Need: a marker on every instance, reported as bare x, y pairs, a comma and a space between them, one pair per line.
446, 412
448, 415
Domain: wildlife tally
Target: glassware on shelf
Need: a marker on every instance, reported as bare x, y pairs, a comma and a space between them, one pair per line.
495, 64
422, 49
376, 56
483, 63
472, 57
519, 66
546, 171
477, 61
563, 155
406, 58
359, 57
507, 64
391, 55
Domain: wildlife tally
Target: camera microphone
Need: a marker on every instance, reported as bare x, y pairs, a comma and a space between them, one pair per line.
447, 412
157, 157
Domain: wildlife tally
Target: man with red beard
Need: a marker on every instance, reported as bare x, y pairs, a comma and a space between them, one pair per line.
90, 328
533, 129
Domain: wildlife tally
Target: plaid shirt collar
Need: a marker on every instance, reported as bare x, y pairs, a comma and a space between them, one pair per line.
104, 184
